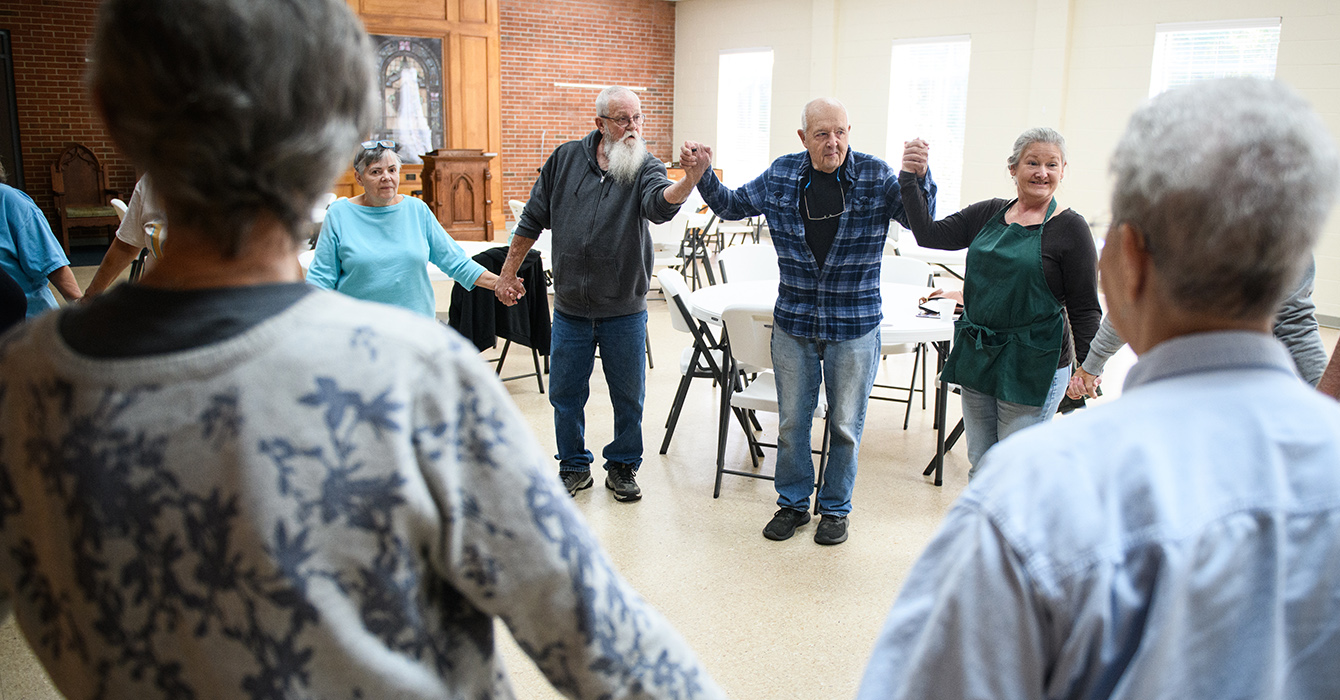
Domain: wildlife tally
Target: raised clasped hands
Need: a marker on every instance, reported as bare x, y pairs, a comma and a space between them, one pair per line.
509, 289
916, 157
695, 158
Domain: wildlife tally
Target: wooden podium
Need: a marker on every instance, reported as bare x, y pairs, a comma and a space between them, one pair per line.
456, 185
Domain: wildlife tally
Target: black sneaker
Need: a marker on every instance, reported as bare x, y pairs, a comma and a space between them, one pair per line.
832, 530
619, 479
784, 523
576, 481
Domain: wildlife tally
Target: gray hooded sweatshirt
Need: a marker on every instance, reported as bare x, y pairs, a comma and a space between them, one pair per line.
602, 254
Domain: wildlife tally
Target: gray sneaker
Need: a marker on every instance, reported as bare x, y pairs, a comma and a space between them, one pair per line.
619, 479
832, 530
784, 523
576, 481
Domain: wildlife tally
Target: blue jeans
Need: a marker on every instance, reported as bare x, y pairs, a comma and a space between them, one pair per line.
847, 370
988, 420
622, 341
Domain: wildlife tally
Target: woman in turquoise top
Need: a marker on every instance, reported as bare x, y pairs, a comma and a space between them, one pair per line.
30, 253
377, 246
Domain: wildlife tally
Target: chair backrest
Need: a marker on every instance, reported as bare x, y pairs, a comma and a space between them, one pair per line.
749, 262
77, 178
666, 236
120, 208
517, 206
904, 270
674, 286
749, 328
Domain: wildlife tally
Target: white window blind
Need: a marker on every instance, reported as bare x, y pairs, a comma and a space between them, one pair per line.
1189, 51
928, 98
744, 111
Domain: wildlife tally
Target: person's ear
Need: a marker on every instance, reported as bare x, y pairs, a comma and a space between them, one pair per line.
801, 134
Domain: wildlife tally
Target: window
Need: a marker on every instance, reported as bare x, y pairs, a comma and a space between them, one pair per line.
744, 110
1189, 51
928, 98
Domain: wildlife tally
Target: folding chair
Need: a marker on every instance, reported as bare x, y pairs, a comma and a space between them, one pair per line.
703, 359
901, 270
748, 333
749, 262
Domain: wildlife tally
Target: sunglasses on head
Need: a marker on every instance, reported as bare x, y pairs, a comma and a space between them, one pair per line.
384, 143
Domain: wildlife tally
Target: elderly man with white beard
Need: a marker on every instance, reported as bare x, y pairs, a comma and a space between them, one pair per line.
596, 196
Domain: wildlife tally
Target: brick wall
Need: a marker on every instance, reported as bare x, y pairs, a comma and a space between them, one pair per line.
50, 39
604, 42
625, 42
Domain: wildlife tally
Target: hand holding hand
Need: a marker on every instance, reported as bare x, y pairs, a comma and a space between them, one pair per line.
1089, 382
695, 158
509, 289
916, 157
1083, 384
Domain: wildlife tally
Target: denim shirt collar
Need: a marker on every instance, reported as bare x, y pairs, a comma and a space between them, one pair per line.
1209, 352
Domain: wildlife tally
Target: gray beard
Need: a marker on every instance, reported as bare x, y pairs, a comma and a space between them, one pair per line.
625, 159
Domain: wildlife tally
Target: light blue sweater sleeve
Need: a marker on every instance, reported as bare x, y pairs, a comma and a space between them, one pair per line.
446, 253
324, 271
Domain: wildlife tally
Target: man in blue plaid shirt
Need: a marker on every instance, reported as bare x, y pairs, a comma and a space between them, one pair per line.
828, 209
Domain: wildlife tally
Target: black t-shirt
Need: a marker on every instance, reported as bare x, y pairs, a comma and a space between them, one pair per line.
133, 320
821, 207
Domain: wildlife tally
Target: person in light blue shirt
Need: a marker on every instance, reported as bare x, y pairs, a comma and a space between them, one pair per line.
377, 246
1184, 540
30, 253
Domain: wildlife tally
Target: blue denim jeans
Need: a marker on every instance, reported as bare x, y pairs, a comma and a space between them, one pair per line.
847, 370
988, 420
623, 343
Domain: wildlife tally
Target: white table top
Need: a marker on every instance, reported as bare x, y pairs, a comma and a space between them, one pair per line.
899, 304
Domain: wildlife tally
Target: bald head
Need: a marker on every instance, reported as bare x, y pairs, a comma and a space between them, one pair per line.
823, 130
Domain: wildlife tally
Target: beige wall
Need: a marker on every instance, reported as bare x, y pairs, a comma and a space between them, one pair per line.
1079, 65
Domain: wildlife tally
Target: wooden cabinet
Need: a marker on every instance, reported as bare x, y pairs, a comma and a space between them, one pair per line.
471, 99
457, 186
677, 173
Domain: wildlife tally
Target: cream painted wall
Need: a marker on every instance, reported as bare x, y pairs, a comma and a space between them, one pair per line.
1079, 65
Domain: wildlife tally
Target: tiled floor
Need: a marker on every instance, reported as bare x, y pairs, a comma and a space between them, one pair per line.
769, 619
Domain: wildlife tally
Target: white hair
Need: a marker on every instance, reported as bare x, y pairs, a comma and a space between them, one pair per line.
1038, 134
608, 95
1229, 182
805, 111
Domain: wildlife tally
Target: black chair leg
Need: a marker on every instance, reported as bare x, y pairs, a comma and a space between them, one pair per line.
823, 465
672, 419
912, 387
539, 378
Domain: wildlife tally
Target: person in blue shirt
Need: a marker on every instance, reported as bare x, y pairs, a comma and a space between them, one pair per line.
30, 253
377, 246
828, 209
1182, 541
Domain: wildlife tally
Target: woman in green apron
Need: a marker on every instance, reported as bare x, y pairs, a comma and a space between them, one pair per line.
1031, 282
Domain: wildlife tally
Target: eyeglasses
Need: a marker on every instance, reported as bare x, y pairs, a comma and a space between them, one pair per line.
384, 143
623, 122
805, 201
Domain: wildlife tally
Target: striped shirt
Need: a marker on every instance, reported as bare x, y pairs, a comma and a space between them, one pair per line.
842, 301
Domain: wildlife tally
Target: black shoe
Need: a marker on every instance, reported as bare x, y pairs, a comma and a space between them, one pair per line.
576, 481
619, 479
784, 523
832, 530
